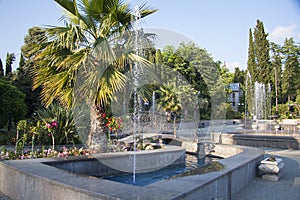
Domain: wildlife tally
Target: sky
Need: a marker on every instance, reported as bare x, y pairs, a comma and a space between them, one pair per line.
219, 26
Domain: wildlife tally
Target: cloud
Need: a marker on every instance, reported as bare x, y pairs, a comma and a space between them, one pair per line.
279, 34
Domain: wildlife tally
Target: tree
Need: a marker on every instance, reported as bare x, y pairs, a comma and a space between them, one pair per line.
12, 106
291, 72
10, 58
22, 81
276, 64
1, 69
65, 50
262, 56
251, 63
239, 76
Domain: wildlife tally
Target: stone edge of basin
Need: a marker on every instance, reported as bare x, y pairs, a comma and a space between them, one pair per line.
31, 179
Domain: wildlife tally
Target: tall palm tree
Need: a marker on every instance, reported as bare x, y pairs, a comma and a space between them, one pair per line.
85, 44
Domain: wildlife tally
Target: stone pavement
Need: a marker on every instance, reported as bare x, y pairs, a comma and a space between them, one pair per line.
287, 188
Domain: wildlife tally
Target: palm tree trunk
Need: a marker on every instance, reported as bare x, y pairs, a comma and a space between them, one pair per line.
97, 140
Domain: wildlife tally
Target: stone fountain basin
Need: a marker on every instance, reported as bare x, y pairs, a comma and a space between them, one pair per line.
117, 163
34, 180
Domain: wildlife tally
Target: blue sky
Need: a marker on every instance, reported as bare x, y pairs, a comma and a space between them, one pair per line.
219, 26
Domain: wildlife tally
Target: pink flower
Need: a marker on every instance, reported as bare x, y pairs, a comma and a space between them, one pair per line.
48, 125
54, 124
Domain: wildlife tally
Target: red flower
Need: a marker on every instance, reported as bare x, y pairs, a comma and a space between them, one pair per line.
103, 115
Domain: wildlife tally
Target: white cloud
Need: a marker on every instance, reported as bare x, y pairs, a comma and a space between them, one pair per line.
279, 34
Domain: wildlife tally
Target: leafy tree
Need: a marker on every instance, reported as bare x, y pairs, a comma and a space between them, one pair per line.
276, 64
239, 76
262, 56
291, 73
12, 106
10, 58
200, 71
65, 50
1, 69
23, 80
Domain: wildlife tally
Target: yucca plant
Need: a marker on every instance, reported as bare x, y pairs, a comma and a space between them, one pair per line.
65, 131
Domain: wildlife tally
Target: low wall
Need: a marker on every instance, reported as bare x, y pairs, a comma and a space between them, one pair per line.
271, 141
31, 179
108, 164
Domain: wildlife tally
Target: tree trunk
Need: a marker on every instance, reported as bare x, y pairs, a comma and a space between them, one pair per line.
97, 140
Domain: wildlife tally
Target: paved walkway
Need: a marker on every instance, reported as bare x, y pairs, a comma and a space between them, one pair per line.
288, 188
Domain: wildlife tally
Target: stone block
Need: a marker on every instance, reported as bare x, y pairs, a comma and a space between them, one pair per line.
272, 177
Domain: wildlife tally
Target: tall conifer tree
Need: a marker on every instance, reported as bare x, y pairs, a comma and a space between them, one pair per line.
10, 58
1, 69
262, 57
252, 69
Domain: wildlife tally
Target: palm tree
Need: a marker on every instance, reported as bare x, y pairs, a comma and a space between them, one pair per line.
85, 44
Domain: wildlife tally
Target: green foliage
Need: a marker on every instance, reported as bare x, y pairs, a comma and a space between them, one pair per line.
1, 69
282, 110
239, 76
196, 67
23, 82
276, 62
169, 98
10, 58
291, 73
12, 106
251, 63
66, 132
21, 143
64, 50
262, 54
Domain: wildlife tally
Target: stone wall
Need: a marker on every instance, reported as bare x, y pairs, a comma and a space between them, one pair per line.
272, 141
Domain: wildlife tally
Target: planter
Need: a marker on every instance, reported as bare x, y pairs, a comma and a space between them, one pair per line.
271, 167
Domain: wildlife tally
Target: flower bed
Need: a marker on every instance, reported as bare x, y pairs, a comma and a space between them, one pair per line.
6, 154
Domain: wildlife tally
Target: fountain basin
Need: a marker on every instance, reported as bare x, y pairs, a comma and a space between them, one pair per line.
32, 179
108, 164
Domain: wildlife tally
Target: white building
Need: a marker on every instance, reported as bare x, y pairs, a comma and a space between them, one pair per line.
234, 96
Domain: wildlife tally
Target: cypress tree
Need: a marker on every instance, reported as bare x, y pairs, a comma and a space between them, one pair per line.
159, 63
10, 58
252, 69
1, 69
251, 76
262, 57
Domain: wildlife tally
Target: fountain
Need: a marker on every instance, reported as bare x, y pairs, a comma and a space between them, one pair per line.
45, 179
258, 98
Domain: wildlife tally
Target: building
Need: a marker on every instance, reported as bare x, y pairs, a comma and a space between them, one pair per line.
234, 96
